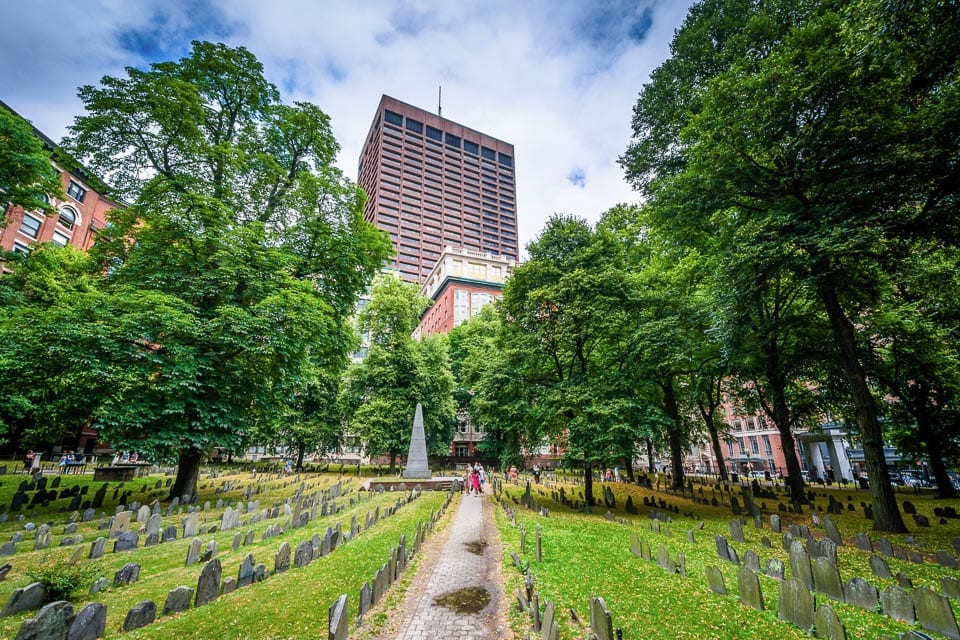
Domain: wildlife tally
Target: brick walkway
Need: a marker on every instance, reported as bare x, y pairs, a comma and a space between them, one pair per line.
457, 567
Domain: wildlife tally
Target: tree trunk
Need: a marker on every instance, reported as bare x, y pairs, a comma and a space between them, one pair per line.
707, 412
649, 456
674, 432
188, 471
886, 513
588, 484
393, 463
781, 418
301, 447
931, 442
628, 468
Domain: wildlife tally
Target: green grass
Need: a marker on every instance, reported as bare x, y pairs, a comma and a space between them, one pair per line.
585, 555
289, 605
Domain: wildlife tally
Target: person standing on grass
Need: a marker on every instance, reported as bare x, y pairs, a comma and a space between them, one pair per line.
28, 461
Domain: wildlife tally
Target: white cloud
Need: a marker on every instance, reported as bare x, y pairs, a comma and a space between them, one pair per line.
557, 79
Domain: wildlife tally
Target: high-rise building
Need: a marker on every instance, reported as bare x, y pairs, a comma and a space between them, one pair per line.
433, 183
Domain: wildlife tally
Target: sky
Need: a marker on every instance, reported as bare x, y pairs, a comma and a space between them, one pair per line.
556, 78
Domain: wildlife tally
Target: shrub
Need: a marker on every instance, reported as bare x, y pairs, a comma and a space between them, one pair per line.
62, 579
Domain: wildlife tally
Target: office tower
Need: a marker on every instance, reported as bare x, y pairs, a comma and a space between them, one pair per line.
433, 183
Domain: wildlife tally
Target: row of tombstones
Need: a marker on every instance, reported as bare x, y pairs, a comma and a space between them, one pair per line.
57, 619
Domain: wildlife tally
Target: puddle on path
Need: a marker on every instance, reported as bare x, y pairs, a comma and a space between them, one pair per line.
476, 547
467, 600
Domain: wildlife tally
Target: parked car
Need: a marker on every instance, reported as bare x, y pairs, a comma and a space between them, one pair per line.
758, 475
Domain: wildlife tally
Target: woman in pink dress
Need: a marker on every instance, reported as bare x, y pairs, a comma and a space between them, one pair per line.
475, 482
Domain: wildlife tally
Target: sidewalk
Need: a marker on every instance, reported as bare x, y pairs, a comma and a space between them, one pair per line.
463, 562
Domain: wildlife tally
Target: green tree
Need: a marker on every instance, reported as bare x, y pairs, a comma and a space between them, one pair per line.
240, 217
821, 126
27, 178
382, 391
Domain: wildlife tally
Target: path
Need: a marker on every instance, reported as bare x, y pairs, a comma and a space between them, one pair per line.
453, 565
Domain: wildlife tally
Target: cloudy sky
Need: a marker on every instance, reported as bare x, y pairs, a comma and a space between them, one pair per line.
556, 78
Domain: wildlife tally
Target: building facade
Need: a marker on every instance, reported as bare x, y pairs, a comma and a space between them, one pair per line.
433, 183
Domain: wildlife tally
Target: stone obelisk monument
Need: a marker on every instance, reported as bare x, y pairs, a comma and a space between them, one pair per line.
417, 458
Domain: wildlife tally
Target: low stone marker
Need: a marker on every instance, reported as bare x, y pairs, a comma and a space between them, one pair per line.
826, 578
24, 599
193, 552
52, 621
90, 623
282, 560
715, 580
126, 541
128, 574
208, 585
775, 568
827, 624
880, 567
897, 603
177, 600
861, 593
142, 614
863, 541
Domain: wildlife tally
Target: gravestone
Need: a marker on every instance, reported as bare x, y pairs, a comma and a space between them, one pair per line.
237, 539
796, 605
549, 627
193, 551
635, 545
934, 613
645, 550
950, 587
884, 547
97, 548
229, 585
121, 523
24, 599
143, 514
52, 621
99, 585
736, 531
826, 578
827, 624
863, 541
282, 561
946, 559
154, 524
126, 541
828, 550
90, 623
210, 551
245, 575
664, 560
904, 580
208, 585
800, 564
177, 600
128, 574
861, 593
600, 622
249, 538
897, 603
191, 525
8, 548
833, 534
304, 554
880, 567
751, 560
715, 580
339, 625
142, 614
775, 568
417, 457
723, 550
765, 542
775, 523
169, 533
748, 585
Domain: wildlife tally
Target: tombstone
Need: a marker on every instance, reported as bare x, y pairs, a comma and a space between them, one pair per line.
884, 547
128, 574
827, 624
99, 496
909, 508
245, 575
786, 541
304, 554
828, 550
748, 584
751, 560
177, 600
87, 516
99, 585
715, 580
24, 599
736, 531
339, 625
127, 541
663, 559
830, 527
723, 550
950, 587
193, 552
775, 523
549, 627
645, 550
90, 623
70, 528
774, 568
208, 585
826, 578
861, 593
796, 604
880, 567
934, 613
229, 585
863, 542
52, 621
191, 525
210, 551
237, 538
143, 514
800, 567
8, 548
946, 559
142, 614
600, 621
154, 524
915, 556
42, 541
121, 523
904, 580
897, 603
249, 538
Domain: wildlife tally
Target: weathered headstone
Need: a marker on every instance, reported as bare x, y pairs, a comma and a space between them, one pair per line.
830, 528
863, 541
934, 613
723, 550
193, 552
245, 575
143, 514
303, 555
751, 560
128, 574
191, 524
282, 561
826, 578
827, 624
142, 614
736, 531
121, 523
775, 568
600, 621
126, 541
339, 624
24, 599
800, 564
880, 567
897, 603
208, 585
950, 586
52, 621
796, 604
861, 593
90, 623
946, 559
748, 585
715, 580
664, 560
884, 547
775, 523
177, 600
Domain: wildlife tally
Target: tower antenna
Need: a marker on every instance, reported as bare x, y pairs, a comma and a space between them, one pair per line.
439, 100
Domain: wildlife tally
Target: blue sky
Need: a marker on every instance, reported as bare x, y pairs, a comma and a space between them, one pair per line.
556, 78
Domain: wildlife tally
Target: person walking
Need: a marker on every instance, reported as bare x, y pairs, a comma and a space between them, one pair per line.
475, 487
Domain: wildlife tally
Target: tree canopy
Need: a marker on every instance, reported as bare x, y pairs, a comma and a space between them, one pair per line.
27, 178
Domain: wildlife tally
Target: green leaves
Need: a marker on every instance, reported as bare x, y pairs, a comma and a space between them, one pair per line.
27, 178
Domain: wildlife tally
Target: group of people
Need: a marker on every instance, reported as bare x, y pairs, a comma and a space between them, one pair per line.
474, 478
69, 459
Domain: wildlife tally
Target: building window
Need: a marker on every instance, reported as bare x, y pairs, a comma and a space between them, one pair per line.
68, 217
19, 247
434, 134
766, 446
506, 160
488, 153
471, 147
463, 451
754, 446
60, 238
393, 118
461, 306
452, 140
30, 226
413, 125
75, 191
